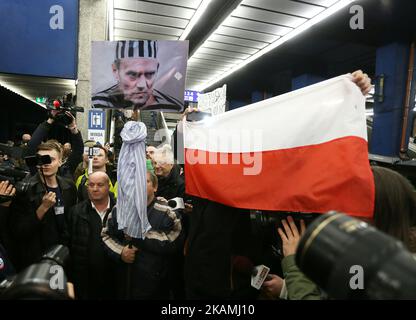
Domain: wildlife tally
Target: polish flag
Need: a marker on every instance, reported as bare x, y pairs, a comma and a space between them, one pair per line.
304, 151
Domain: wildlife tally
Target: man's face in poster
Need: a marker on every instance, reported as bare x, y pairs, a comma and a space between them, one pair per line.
136, 77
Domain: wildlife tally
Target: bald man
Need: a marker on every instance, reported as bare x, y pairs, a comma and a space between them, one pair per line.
99, 192
92, 271
26, 138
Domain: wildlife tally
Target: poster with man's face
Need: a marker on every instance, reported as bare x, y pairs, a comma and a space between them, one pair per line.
138, 74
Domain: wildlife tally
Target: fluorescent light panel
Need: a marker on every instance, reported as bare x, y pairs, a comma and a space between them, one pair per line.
195, 18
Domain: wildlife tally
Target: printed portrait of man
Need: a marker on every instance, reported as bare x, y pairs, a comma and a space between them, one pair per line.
135, 70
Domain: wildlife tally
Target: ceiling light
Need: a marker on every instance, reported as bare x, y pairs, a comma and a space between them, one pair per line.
197, 15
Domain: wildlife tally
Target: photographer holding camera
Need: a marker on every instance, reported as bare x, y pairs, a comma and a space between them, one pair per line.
37, 219
32, 282
42, 133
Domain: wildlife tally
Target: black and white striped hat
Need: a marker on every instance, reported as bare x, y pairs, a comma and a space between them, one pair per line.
136, 49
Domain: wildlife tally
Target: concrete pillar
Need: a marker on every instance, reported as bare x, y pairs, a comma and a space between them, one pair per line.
92, 27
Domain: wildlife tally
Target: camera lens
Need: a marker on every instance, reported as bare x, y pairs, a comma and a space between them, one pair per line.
335, 245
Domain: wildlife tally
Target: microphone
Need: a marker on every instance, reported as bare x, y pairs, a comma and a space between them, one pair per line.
244, 266
176, 203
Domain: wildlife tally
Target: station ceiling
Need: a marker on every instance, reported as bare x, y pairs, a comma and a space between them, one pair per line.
250, 44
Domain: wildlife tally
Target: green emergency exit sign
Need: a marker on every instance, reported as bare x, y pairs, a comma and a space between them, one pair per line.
40, 99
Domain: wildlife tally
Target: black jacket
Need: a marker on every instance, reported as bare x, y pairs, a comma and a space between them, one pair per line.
31, 236
6, 268
41, 133
147, 277
217, 234
90, 268
172, 186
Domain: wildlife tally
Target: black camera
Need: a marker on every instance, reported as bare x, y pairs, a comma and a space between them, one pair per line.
63, 105
12, 175
265, 223
13, 152
349, 259
37, 160
40, 281
16, 176
273, 218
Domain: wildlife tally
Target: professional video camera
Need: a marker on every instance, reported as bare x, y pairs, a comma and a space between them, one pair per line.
12, 174
43, 280
335, 248
16, 176
62, 105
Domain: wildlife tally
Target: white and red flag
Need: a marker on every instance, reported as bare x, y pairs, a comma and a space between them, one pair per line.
304, 151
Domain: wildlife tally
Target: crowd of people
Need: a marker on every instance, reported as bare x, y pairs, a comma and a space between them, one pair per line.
202, 250
71, 198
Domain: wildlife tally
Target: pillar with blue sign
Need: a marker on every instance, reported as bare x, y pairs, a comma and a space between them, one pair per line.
39, 37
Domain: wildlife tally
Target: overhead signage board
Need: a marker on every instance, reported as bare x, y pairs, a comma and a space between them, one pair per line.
39, 38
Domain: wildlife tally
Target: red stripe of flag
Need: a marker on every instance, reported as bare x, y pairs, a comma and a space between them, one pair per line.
334, 175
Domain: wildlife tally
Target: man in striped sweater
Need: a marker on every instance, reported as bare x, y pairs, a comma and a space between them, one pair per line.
144, 264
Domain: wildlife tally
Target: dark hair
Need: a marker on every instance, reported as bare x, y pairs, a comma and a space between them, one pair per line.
153, 178
395, 204
51, 145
